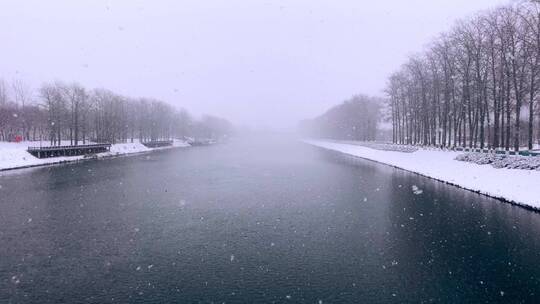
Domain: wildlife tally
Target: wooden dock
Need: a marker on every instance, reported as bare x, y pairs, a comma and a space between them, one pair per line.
76, 150
158, 143
201, 142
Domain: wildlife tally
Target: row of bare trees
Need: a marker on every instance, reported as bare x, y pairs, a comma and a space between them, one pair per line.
354, 119
476, 85
59, 112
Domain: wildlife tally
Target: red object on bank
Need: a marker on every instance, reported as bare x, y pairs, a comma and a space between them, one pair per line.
18, 138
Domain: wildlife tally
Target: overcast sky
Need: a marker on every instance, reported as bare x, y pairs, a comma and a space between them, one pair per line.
262, 63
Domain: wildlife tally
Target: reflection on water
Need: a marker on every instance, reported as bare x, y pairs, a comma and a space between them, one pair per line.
249, 221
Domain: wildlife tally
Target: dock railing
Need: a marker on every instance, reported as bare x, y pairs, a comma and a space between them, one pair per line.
70, 150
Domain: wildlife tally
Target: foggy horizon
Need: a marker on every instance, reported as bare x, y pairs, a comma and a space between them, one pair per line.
265, 65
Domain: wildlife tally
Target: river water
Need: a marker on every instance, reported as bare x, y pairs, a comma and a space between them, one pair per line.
253, 221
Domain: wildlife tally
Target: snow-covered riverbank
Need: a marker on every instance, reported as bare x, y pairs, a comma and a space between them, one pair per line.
14, 155
517, 186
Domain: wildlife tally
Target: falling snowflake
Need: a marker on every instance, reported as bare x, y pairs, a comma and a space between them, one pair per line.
416, 190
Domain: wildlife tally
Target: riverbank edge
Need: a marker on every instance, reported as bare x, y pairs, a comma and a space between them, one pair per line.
99, 157
486, 194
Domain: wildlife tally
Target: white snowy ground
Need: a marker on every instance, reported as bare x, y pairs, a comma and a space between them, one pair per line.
518, 186
14, 155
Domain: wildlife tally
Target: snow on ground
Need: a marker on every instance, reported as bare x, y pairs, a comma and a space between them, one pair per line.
128, 148
14, 155
180, 143
18, 157
514, 185
383, 146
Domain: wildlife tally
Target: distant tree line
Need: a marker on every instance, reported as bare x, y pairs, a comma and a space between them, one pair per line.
354, 119
476, 85
59, 111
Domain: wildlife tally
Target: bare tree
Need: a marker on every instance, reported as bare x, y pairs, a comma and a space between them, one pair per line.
71, 112
354, 119
473, 84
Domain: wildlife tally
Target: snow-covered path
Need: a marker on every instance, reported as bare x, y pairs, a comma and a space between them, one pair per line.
518, 186
14, 155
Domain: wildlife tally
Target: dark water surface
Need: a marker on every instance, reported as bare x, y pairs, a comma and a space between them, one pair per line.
250, 222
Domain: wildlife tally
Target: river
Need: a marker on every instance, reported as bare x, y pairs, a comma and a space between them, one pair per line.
257, 221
